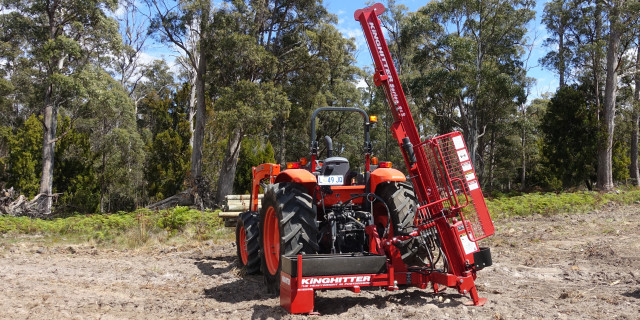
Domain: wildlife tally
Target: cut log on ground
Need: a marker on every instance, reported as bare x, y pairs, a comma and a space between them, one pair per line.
241, 197
199, 196
183, 198
17, 205
229, 218
236, 207
233, 205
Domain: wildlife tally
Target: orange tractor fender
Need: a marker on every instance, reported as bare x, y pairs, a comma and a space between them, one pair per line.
381, 175
301, 176
262, 172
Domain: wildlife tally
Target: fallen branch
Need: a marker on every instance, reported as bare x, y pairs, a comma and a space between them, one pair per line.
183, 198
198, 196
20, 206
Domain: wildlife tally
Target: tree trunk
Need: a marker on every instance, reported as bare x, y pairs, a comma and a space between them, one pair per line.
201, 71
50, 123
192, 108
607, 124
491, 159
282, 154
18, 205
523, 159
229, 164
561, 62
183, 198
48, 149
103, 189
198, 134
635, 172
597, 58
474, 134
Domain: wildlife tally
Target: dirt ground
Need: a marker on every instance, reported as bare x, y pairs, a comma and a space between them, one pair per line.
580, 266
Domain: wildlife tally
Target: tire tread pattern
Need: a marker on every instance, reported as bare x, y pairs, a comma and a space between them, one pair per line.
298, 229
402, 202
249, 220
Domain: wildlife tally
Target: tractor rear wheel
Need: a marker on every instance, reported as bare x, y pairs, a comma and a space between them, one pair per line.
248, 242
287, 227
402, 203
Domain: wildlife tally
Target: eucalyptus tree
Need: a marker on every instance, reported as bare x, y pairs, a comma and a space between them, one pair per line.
635, 118
186, 26
271, 63
128, 63
591, 37
469, 56
560, 18
62, 38
116, 146
246, 100
621, 14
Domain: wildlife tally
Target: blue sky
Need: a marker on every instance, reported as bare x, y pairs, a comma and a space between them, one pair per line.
546, 81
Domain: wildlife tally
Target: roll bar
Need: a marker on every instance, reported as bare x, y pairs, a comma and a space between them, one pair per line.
367, 126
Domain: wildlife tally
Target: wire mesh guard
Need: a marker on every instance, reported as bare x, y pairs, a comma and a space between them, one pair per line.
456, 182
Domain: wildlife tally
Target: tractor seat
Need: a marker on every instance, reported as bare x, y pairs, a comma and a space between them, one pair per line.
336, 166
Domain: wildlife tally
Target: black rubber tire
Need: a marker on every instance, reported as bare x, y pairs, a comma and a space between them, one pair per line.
249, 221
402, 202
296, 215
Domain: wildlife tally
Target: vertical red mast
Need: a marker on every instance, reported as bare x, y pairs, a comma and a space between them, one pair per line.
440, 170
404, 128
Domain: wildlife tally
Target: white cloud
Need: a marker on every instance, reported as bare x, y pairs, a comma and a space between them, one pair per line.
4, 10
120, 11
168, 57
146, 58
356, 34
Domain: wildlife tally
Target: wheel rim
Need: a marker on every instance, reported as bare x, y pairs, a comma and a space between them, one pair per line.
244, 254
271, 243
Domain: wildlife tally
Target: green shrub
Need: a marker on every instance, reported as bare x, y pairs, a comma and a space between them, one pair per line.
551, 203
176, 219
135, 228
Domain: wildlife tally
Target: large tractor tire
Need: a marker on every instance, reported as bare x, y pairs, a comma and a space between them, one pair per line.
287, 227
402, 203
248, 242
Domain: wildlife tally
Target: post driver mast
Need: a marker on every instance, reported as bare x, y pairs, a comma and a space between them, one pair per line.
440, 170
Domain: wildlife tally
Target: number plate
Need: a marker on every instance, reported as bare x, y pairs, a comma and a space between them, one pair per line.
330, 180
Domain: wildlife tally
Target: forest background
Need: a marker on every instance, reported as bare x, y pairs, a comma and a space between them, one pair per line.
93, 126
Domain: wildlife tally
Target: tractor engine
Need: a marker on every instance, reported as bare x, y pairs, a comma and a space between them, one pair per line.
343, 229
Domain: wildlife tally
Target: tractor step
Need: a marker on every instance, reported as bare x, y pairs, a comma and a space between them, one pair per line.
335, 264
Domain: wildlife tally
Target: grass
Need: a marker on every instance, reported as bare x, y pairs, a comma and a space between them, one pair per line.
550, 203
183, 225
127, 229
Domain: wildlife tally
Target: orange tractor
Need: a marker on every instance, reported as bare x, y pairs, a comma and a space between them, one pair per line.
322, 225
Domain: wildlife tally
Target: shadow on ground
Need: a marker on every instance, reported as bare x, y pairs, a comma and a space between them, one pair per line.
632, 294
239, 290
251, 288
213, 266
338, 305
263, 312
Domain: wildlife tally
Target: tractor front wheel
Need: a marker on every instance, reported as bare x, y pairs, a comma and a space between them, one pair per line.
287, 227
248, 242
